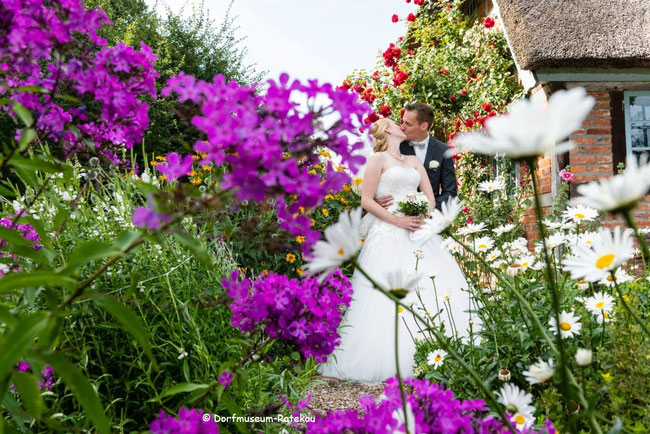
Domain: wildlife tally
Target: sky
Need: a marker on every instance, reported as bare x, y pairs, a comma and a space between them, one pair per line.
322, 39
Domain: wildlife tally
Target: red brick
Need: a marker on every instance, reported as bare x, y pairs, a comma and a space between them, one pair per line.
602, 104
604, 140
584, 140
599, 168
598, 149
578, 169
597, 123
581, 159
599, 113
584, 178
578, 132
598, 93
604, 159
599, 131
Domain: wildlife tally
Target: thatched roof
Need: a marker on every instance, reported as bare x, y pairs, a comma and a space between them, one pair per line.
578, 33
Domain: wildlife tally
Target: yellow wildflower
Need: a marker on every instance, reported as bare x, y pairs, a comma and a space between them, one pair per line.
193, 173
300, 239
206, 168
340, 168
291, 258
161, 158
329, 197
343, 200
325, 154
357, 181
312, 172
162, 177
326, 213
347, 188
154, 163
196, 181
196, 157
299, 271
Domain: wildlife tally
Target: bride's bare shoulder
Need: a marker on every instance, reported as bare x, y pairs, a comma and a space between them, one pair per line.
414, 161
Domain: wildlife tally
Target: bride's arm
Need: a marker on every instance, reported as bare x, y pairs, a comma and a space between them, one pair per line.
425, 185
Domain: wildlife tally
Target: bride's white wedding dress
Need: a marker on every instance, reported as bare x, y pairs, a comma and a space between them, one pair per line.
367, 349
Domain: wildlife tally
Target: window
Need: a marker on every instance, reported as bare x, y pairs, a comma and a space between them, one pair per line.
637, 122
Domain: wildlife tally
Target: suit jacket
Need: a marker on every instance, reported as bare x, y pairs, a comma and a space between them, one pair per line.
442, 178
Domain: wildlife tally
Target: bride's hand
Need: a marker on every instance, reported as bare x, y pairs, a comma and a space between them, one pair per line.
410, 223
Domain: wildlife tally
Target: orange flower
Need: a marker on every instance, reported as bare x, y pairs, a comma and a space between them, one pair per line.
300, 239
299, 271
291, 258
326, 213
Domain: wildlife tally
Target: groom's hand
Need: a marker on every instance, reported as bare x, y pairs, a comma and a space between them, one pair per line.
385, 201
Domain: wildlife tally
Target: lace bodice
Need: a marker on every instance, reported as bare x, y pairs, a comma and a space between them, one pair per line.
398, 181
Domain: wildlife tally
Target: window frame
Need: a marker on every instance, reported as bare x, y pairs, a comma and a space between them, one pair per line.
628, 120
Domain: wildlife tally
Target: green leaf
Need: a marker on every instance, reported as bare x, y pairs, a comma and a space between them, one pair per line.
127, 318
80, 387
17, 341
182, 388
233, 408
35, 163
197, 249
23, 114
30, 393
38, 89
86, 252
26, 137
40, 256
125, 239
11, 282
13, 238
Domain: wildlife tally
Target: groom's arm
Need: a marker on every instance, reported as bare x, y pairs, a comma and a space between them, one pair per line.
447, 181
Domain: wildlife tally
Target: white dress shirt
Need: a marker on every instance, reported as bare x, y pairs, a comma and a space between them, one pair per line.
420, 151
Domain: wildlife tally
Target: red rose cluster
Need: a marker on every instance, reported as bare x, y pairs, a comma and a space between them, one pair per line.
392, 55
488, 23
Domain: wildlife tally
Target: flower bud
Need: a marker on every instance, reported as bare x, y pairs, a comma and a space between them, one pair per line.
504, 374
583, 357
94, 162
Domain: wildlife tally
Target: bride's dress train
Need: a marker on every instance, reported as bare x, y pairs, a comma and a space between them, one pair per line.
367, 350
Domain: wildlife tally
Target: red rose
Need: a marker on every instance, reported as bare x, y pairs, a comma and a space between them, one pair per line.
466, 210
395, 18
486, 106
452, 98
457, 123
488, 23
469, 220
463, 92
443, 71
418, 2
408, 1
492, 113
411, 17
384, 110
345, 86
469, 123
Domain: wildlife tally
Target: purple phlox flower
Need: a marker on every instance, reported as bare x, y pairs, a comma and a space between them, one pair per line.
147, 217
188, 421
175, 167
225, 378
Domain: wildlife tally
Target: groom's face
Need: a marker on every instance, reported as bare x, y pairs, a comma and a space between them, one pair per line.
413, 129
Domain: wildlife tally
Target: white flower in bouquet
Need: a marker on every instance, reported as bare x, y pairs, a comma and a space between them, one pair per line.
608, 252
583, 357
342, 242
472, 228
490, 186
539, 372
620, 192
581, 214
531, 127
483, 244
620, 276
414, 204
435, 358
439, 221
434, 164
503, 229
600, 303
569, 325
518, 403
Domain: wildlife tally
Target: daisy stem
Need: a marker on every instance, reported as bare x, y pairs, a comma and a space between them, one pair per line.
444, 343
399, 375
566, 392
644, 245
628, 308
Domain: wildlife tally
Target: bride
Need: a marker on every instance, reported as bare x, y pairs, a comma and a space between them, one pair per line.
367, 349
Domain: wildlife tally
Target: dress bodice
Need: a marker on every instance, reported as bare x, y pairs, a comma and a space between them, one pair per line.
398, 181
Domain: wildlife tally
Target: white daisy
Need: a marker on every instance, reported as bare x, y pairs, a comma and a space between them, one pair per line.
453, 246
400, 282
472, 228
610, 251
493, 255
490, 186
620, 276
552, 225
503, 229
588, 238
583, 285
435, 358
342, 242
540, 372
518, 403
554, 241
531, 127
483, 244
600, 302
581, 214
439, 221
569, 325
526, 262
620, 192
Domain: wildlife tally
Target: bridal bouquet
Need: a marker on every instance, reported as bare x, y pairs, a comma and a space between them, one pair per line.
414, 205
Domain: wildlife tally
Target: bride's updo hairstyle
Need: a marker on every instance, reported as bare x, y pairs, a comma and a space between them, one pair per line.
378, 131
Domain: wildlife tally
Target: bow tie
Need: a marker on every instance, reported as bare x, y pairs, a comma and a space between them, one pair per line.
419, 145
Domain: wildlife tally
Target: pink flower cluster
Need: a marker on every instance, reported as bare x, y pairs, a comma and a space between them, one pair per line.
268, 142
187, 422
28, 233
430, 409
51, 48
47, 375
302, 312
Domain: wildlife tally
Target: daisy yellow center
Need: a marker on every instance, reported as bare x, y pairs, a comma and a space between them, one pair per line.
605, 315
446, 297
482, 246
437, 358
519, 419
610, 278
400, 309
565, 326
605, 261
524, 264
341, 251
600, 305
580, 215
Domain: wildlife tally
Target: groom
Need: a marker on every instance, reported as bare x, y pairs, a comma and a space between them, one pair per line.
416, 122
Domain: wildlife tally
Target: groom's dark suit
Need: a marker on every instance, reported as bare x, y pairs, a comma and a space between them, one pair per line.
442, 178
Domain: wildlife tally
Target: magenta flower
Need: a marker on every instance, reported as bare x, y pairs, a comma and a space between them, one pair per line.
187, 422
225, 378
26, 231
174, 167
147, 217
566, 175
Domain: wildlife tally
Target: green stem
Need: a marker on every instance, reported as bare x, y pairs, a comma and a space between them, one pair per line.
628, 308
399, 375
645, 255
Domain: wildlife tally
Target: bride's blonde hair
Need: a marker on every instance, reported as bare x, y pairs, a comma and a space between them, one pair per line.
378, 131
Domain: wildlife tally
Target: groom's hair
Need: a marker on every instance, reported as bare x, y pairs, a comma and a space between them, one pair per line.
424, 112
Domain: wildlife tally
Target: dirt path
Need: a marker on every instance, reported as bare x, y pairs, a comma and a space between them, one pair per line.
336, 394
